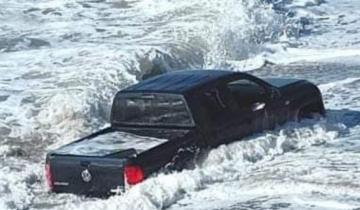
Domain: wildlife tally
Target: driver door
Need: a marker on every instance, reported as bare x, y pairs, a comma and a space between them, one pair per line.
254, 100
227, 121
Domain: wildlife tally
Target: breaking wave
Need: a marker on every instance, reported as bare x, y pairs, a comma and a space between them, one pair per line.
61, 63
61, 78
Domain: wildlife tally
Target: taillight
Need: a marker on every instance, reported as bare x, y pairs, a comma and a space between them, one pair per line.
49, 177
133, 174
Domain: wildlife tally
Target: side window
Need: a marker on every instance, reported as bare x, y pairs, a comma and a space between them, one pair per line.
218, 103
213, 103
246, 92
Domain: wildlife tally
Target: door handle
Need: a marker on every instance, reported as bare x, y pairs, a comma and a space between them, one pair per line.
258, 106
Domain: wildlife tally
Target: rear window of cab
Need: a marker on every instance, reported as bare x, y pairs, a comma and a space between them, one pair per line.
151, 109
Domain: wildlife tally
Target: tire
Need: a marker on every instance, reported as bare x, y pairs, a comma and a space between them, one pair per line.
184, 159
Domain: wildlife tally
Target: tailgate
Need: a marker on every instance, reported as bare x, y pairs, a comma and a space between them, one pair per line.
86, 175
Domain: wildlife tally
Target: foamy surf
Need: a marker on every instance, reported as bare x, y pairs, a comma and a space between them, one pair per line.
61, 63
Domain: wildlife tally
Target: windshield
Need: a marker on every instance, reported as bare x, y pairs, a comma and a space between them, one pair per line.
151, 109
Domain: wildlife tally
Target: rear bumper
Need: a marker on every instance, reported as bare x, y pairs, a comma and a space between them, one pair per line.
94, 193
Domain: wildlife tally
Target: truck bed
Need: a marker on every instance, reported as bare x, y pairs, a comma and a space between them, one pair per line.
94, 165
110, 142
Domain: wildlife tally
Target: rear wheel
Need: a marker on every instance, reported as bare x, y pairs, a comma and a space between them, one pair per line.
184, 159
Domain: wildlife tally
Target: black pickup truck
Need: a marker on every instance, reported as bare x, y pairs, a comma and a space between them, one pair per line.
161, 123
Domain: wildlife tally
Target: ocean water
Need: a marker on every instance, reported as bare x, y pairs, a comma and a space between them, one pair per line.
62, 61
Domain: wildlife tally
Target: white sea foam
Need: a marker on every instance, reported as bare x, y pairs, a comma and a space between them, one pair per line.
61, 62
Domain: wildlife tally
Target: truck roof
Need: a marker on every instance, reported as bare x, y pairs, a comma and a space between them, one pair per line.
178, 81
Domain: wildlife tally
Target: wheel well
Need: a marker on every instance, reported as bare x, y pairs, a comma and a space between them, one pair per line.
310, 110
